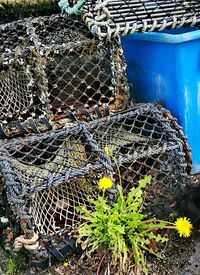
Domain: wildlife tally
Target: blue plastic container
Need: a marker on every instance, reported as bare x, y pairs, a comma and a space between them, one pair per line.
166, 66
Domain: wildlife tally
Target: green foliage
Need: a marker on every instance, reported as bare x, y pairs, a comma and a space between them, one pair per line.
122, 227
16, 264
11, 267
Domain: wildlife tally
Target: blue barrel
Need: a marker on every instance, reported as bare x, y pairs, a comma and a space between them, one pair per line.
165, 67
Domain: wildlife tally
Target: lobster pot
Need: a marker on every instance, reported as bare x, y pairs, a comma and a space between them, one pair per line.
53, 71
12, 10
146, 141
110, 18
48, 175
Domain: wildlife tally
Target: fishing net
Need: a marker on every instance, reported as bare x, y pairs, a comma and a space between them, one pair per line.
47, 176
54, 71
120, 17
146, 141
66, 162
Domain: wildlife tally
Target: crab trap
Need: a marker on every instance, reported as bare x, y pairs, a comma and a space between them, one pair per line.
146, 140
47, 176
12, 10
110, 18
52, 71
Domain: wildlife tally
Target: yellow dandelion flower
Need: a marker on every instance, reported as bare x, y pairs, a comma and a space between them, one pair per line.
65, 264
107, 151
105, 183
183, 226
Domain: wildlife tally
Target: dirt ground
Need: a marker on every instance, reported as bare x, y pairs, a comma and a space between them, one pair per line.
179, 257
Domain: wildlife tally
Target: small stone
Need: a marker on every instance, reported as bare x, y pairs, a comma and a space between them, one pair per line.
4, 220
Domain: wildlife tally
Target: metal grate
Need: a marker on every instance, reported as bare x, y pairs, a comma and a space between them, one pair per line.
120, 17
53, 71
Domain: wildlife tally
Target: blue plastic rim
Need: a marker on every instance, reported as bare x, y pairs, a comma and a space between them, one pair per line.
168, 36
165, 66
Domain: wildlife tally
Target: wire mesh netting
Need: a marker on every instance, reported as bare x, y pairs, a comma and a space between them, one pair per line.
53, 70
48, 175
113, 17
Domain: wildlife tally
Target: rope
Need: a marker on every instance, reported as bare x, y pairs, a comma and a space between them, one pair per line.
102, 22
76, 9
29, 244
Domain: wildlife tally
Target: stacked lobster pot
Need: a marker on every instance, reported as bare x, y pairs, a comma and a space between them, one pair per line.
108, 19
54, 74
64, 98
20, 9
